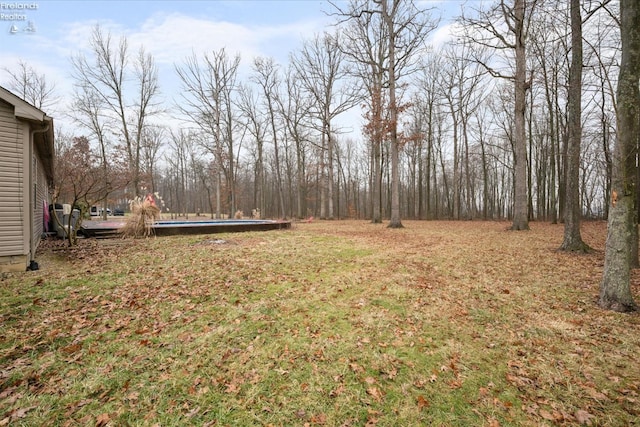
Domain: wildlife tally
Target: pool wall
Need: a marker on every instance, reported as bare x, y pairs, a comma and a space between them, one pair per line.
174, 228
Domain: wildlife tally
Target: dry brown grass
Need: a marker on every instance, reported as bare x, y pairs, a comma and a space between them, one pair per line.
330, 323
144, 213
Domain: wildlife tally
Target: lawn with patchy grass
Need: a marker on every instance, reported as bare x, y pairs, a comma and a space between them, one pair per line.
340, 323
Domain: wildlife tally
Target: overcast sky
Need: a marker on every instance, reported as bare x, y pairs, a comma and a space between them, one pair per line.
45, 34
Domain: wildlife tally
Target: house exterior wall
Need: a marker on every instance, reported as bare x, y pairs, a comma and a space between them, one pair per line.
40, 196
13, 224
26, 173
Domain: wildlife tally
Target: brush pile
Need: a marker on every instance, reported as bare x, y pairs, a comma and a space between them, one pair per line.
144, 213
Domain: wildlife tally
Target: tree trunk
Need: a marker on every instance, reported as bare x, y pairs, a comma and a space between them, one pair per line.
300, 181
456, 165
521, 205
572, 238
231, 179
470, 213
615, 289
393, 117
330, 171
322, 182
427, 170
276, 154
376, 141
376, 190
218, 189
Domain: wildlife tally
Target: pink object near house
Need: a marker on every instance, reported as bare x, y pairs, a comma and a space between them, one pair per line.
45, 216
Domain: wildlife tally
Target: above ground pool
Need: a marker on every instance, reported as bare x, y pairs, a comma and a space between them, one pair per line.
175, 227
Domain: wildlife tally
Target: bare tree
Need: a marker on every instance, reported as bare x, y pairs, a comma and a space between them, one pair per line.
266, 75
549, 47
487, 29
363, 46
407, 29
88, 110
604, 51
256, 125
322, 70
615, 289
295, 109
404, 30
426, 108
208, 102
460, 81
180, 166
32, 87
572, 237
128, 107
152, 141
144, 105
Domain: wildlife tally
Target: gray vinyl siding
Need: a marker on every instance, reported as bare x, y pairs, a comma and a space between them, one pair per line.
12, 197
41, 195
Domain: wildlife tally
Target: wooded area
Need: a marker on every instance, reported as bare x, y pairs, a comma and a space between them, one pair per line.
528, 112
439, 127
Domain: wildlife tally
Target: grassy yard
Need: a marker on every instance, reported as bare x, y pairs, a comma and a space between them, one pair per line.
338, 323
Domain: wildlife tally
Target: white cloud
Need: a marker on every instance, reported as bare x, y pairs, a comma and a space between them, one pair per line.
445, 35
170, 38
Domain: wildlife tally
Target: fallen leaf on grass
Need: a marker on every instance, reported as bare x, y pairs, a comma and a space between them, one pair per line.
192, 413
420, 383
519, 381
375, 393
319, 419
18, 413
70, 349
422, 402
102, 420
583, 417
356, 368
338, 391
232, 388
12, 397
595, 394
372, 417
391, 374
545, 414
455, 384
